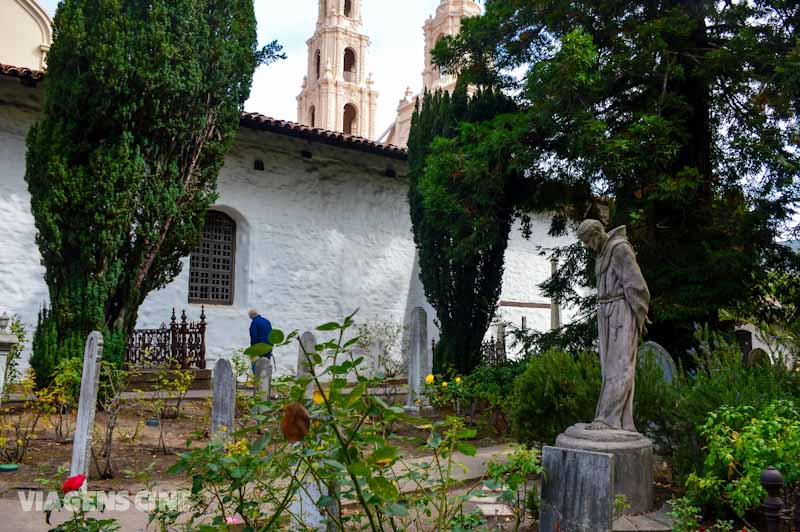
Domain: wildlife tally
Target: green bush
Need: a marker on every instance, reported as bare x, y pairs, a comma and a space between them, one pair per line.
556, 390
48, 353
740, 443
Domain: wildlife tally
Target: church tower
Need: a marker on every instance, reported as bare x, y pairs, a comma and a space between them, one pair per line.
446, 21
337, 91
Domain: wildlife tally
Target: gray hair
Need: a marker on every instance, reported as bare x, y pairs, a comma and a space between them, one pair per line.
252, 313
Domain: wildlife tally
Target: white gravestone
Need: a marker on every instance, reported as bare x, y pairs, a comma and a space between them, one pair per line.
263, 378
419, 363
303, 506
223, 405
308, 345
7, 342
87, 405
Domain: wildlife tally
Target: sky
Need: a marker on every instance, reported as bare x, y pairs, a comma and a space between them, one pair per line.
396, 56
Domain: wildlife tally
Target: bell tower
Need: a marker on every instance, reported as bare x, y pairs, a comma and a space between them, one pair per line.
337, 92
447, 21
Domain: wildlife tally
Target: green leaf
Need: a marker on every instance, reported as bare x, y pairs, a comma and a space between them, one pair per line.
331, 326
258, 350
276, 337
359, 469
259, 444
383, 454
354, 396
384, 489
466, 448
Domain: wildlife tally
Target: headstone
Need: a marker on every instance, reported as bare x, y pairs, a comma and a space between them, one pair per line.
87, 405
7, 342
263, 378
419, 364
577, 491
757, 358
661, 356
223, 405
303, 505
308, 345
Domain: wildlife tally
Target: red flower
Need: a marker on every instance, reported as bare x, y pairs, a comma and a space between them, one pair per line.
73, 483
702, 529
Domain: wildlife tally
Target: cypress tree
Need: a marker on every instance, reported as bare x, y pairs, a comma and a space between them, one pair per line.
142, 101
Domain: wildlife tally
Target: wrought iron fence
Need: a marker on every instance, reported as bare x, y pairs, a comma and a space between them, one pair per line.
179, 345
493, 352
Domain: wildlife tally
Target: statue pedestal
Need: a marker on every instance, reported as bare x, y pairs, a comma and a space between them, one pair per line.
633, 460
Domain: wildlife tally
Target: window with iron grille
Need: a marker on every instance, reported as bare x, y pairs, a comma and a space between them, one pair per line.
211, 265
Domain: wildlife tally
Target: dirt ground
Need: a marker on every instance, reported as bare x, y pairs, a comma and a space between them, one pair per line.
136, 447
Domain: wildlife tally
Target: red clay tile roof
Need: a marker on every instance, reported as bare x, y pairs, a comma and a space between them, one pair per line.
265, 123
21, 72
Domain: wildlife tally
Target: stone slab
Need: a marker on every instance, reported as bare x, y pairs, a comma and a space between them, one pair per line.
495, 510
633, 461
653, 522
577, 491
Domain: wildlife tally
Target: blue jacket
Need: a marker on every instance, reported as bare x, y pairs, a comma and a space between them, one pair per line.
260, 329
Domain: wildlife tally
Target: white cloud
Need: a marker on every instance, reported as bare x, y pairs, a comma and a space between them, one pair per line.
396, 55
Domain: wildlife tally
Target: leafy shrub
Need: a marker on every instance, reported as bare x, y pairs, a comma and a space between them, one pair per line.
741, 442
719, 378
556, 390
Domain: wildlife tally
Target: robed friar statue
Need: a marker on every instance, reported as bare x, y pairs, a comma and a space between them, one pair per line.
621, 316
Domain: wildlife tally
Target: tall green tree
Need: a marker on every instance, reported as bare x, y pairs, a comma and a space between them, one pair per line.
681, 113
142, 101
461, 212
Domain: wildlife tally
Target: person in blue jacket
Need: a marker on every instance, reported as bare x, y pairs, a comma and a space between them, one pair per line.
260, 329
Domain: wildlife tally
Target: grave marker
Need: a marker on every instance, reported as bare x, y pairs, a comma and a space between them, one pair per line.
668, 368
223, 404
263, 387
87, 405
419, 363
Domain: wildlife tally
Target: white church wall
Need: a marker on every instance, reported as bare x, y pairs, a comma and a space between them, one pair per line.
22, 286
316, 239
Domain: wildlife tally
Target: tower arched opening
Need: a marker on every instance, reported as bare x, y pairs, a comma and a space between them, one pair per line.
350, 65
350, 120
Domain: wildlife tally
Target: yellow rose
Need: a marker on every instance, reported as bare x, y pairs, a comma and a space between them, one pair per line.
429, 379
318, 398
444, 384
458, 380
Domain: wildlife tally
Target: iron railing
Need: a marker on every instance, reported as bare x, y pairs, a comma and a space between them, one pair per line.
777, 507
177, 346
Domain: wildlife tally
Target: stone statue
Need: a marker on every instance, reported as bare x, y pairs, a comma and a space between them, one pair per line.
621, 316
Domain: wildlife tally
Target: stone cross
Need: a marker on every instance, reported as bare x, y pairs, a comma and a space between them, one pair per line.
419, 363
223, 405
87, 405
263, 378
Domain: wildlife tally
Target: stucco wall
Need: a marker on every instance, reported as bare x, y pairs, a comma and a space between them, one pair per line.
316, 239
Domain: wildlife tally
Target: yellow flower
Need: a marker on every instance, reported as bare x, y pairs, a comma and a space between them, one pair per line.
429, 379
444, 384
383, 462
458, 380
318, 398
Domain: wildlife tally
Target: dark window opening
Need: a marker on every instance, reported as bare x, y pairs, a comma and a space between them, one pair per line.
211, 265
